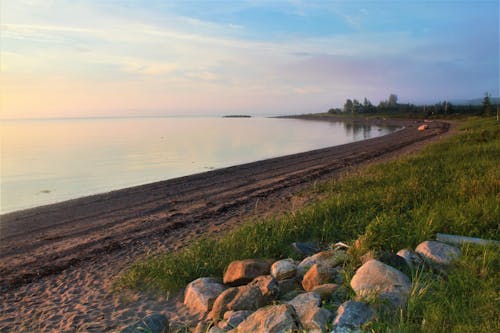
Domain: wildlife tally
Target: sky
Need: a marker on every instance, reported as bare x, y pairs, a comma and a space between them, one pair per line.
73, 58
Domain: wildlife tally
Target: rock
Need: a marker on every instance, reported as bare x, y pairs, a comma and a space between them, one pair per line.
154, 323
326, 258
303, 302
376, 279
423, 127
438, 253
316, 320
325, 291
318, 274
351, 315
412, 259
233, 318
267, 285
291, 295
271, 319
387, 258
248, 297
288, 285
312, 317
241, 272
284, 269
201, 293
215, 329
305, 249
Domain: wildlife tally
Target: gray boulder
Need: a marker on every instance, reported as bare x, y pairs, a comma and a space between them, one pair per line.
271, 319
233, 318
376, 279
330, 259
351, 315
201, 293
268, 286
154, 323
317, 275
438, 253
284, 269
248, 297
312, 317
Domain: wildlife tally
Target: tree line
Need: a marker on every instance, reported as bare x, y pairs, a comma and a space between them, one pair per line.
391, 105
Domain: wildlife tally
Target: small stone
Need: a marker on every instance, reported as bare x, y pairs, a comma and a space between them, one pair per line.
284, 269
241, 272
317, 275
376, 279
351, 315
201, 293
438, 253
325, 291
271, 319
155, 323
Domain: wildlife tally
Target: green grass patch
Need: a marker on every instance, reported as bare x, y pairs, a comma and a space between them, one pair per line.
450, 187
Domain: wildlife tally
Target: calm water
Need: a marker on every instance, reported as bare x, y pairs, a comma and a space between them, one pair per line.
47, 161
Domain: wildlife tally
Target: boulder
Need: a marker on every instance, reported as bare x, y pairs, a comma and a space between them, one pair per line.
438, 253
325, 291
267, 285
271, 319
241, 272
305, 249
233, 318
376, 279
326, 258
284, 269
351, 315
387, 258
215, 329
288, 285
412, 259
154, 323
317, 275
248, 297
303, 302
312, 317
201, 293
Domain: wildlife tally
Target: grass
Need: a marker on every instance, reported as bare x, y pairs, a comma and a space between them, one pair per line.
450, 187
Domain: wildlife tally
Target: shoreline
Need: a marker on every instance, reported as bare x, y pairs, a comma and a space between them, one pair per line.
101, 235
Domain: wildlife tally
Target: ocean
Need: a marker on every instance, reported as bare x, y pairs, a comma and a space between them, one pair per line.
52, 160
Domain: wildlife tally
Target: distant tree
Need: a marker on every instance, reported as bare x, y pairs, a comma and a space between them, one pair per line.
348, 105
335, 111
393, 100
367, 105
356, 106
487, 104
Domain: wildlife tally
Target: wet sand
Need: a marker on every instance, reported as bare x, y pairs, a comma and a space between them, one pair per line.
57, 262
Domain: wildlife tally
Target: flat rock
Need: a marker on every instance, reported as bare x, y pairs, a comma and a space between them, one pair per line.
439, 253
317, 275
376, 279
154, 323
243, 271
271, 319
351, 315
330, 258
201, 293
284, 269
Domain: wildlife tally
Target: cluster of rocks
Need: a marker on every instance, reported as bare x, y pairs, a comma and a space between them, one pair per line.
286, 295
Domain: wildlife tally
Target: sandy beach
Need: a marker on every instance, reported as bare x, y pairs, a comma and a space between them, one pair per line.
57, 262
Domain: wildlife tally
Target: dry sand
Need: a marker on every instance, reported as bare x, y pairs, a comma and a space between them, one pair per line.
57, 262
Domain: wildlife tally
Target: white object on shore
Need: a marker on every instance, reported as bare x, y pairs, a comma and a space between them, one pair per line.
454, 239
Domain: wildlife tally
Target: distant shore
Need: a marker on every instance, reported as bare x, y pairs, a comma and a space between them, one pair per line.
102, 234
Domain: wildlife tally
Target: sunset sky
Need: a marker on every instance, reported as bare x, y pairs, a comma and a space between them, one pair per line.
121, 58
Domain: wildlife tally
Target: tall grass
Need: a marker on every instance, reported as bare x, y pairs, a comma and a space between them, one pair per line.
451, 187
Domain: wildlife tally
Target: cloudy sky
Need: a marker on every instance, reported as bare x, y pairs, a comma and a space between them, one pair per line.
110, 58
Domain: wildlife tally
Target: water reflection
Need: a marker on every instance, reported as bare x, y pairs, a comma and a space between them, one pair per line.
49, 161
